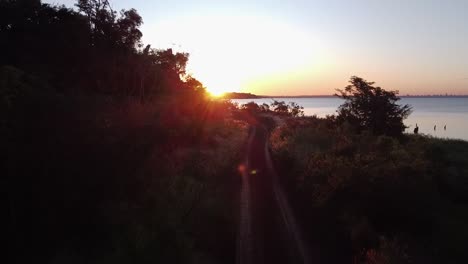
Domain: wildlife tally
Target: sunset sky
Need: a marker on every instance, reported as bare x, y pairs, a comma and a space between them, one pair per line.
306, 47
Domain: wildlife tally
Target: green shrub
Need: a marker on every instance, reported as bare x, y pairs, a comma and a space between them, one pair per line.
359, 187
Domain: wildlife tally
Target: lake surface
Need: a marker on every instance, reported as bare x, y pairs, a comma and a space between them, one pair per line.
427, 112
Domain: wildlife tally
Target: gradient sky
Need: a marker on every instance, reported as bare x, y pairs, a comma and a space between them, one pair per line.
306, 47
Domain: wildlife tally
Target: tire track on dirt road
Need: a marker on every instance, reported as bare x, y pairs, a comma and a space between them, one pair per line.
268, 231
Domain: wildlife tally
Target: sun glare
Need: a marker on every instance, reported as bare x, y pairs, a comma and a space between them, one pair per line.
231, 54
216, 93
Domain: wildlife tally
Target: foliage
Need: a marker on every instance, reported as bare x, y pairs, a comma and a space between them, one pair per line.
295, 109
251, 107
234, 95
372, 108
277, 107
13, 84
390, 251
280, 107
92, 49
356, 188
110, 152
102, 179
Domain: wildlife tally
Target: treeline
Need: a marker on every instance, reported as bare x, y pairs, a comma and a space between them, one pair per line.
110, 152
234, 95
279, 108
91, 49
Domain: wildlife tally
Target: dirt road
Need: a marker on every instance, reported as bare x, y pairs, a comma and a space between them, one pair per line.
268, 231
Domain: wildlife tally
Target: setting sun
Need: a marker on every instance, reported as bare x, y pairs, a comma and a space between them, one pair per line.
214, 131
215, 93
232, 53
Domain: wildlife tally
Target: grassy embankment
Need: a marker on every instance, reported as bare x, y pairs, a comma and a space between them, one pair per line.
375, 199
102, 179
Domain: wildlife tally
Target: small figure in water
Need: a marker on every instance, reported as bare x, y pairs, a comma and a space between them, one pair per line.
416, 129
435, 127
445, 127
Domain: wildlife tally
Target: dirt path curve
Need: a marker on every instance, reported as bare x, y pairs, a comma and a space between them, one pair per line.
268, 231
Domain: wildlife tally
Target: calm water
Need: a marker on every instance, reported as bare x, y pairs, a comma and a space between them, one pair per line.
427, 112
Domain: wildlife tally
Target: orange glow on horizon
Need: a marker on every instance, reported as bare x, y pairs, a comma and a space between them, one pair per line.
236, 53
239, 47
216, 94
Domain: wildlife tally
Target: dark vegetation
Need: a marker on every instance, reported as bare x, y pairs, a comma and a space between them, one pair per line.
93, 49
278, 108
372, 108
364, 196
110, 153
240, 96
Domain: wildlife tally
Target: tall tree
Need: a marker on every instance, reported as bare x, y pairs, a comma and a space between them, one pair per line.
128, 28
372, 108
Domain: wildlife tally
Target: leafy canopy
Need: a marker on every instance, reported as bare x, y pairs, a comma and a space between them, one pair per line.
372, 108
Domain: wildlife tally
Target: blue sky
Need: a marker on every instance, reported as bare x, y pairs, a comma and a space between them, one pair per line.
312, 47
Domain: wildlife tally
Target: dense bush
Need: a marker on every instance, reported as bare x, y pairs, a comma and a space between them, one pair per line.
276, 107
91, 48
103, 179
374, 198
109, 152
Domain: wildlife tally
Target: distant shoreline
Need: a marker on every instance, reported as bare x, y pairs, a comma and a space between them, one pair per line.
252, 96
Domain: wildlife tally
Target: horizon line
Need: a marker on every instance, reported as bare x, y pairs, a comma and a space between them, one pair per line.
332, 95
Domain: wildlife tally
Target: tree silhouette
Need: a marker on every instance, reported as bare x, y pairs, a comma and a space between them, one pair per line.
295, 109
372, 108
292, 109
90, 49
280, 107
